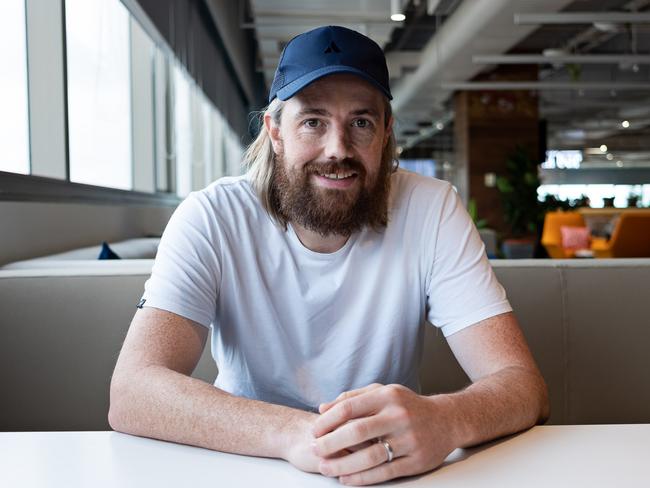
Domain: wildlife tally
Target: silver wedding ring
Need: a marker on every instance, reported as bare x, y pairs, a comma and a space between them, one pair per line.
389, 450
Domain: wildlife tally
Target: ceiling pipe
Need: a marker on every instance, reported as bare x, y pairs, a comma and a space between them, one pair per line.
582, 18
432, 5
542, 85
428, 132
576, 59
469, 18
343, 15
322, 20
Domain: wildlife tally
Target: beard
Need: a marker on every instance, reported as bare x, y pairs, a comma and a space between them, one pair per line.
329, 211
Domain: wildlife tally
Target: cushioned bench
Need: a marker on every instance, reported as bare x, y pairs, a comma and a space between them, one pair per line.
140, 248
587, 322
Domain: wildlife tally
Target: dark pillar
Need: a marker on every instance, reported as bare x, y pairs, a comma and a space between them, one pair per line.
488, 126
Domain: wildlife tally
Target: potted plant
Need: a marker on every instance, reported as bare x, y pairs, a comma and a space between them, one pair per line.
522, 211
489, 236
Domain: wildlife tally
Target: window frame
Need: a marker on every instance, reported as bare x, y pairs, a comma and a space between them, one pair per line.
36, 188
32, 188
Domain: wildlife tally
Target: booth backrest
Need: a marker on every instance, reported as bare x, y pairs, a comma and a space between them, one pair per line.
587, 323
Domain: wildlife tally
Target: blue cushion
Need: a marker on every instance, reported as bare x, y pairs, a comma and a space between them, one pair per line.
107, 252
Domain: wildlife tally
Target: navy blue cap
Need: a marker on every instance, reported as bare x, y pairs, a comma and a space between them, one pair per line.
325, 51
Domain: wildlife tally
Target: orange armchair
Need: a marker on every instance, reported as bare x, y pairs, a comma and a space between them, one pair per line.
630, 239
551, 235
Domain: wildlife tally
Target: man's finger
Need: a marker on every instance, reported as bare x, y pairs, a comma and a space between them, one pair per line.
324, 407
362, 405
371, 456
351, 434
383, 472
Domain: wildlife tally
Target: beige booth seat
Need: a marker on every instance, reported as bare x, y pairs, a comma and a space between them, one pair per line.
587, 322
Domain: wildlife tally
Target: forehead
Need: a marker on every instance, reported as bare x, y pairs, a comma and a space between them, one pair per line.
339, 92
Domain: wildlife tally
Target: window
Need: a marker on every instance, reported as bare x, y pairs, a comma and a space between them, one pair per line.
425, 167
182, 132
142, 106
208, 143
163, 122
99, 99
14, 129
598, 193
564, 159
96, 96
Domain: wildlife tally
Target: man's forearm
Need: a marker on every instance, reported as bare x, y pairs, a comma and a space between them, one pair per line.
163, 404
499, 404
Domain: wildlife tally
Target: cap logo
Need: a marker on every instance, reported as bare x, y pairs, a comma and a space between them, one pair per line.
332, 48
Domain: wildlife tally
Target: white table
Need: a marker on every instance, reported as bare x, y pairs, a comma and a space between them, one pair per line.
549, 456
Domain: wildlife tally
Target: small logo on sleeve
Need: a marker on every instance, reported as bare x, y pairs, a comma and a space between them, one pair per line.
141, 304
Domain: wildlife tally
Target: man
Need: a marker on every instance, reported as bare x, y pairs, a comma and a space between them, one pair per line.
317, 272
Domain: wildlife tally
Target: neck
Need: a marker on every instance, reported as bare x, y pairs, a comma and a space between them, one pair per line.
318, 243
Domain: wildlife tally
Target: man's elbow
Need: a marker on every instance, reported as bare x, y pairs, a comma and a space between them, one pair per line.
543, 401
114, 420
118, 406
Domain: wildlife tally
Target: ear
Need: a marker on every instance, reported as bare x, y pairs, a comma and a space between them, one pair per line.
389, 130
274, 133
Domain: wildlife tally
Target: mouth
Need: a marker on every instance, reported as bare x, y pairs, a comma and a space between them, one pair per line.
339, 180
341, 175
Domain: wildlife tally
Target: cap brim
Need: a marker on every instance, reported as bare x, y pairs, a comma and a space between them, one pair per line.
289, 90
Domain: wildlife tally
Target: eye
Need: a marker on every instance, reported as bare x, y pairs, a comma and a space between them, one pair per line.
312, 123
361, 123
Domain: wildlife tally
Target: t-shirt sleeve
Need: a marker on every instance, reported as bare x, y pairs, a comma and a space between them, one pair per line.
462, 288
186, 273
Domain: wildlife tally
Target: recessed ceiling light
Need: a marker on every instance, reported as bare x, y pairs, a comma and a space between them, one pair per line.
625, 124
603, 148
554, 53
396, 13
619, 164
606, 26
440, 125
609, 156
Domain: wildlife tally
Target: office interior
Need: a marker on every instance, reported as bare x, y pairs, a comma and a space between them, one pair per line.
537, 111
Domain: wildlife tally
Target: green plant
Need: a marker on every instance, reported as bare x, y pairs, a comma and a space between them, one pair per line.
472, 209
518, 187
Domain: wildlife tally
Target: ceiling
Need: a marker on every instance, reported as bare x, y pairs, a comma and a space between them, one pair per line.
435, 49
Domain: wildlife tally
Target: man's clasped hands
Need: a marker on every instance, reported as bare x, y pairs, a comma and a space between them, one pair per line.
356, 435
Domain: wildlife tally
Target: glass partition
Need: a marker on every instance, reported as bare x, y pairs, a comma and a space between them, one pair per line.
14, 129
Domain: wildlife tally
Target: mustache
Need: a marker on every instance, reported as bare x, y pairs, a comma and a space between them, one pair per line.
348, 164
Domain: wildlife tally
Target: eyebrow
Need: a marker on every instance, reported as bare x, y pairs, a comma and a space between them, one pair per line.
312, 111
322, 112
367, 111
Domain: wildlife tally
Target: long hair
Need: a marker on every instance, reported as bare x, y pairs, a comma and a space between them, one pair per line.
259, 158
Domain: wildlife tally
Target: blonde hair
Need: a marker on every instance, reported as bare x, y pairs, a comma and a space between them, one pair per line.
259, 157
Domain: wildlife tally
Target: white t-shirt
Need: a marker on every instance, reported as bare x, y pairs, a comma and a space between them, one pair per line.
296, 327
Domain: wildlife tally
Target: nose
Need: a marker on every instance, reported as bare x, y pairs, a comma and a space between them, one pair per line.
337, 144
